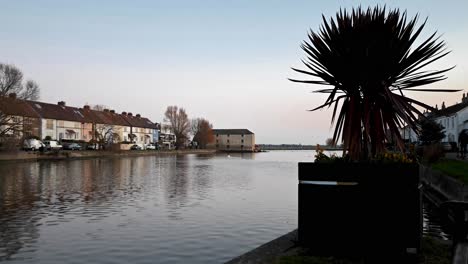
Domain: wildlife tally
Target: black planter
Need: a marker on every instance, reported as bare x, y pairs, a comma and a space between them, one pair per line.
359, 209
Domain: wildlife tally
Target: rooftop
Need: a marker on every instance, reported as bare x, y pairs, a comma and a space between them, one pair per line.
232, 131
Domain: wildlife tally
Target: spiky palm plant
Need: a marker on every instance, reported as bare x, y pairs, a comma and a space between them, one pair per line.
368, 59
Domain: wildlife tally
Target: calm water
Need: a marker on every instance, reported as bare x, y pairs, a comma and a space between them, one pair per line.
167, 209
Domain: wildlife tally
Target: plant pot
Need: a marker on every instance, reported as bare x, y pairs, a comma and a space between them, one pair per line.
359, 209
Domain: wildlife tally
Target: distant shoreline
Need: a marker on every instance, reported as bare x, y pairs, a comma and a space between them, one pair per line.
295, 147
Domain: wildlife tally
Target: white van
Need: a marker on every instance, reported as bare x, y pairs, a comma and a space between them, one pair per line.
32, 144
52, 144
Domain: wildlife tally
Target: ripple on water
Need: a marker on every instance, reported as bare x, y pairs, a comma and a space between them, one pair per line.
167, 209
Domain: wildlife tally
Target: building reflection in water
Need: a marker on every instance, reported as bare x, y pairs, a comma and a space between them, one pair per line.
174, 177
35, 197
19, 210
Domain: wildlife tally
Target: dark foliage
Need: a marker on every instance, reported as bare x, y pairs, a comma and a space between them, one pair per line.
431, 132
367, 58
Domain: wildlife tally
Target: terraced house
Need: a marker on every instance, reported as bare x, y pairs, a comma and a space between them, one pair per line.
454, 119
141, 128
62, 122
17, 118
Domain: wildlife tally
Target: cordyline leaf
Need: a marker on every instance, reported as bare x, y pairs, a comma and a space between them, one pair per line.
369, 59
432, 90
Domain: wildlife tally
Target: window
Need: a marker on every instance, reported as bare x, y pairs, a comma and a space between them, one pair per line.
228, 135
217, 146
60, 123
227, 146
217, 135
242, 141
228, 141
217, 141
242, 146
60, 135
242, 135
50, 124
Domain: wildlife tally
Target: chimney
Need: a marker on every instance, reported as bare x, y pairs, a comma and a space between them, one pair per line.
112, 111
106, 110
86, 107
138, 115
130, 114
443, 105
12, 95
124, 113
61, 103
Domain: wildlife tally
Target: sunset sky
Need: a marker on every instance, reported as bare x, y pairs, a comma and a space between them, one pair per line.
227, 61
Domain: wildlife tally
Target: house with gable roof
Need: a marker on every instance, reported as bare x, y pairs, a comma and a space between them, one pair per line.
141, 129
60, 121
18, 118
453, 118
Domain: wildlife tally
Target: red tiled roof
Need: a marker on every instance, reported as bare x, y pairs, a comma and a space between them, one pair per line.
13, 106
91, 116
139, 121
109, 118
18, 107
59, 112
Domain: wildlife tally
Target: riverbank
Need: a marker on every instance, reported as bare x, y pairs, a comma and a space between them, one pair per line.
21, 156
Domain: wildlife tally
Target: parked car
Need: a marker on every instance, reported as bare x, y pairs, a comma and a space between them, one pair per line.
72, 146
151, 146
52, 144
135, 147
93, 147
32, 144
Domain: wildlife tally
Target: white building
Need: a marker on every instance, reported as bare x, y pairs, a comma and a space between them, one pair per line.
453, 118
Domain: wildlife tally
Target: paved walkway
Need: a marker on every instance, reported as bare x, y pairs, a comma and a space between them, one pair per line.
455, 156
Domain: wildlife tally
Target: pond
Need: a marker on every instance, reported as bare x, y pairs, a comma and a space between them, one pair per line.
152, 209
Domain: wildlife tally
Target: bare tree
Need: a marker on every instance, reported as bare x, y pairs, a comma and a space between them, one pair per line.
99, 107
194, 126
203, 132
179, 123
30, 91
105, 135
11, 81
9, 125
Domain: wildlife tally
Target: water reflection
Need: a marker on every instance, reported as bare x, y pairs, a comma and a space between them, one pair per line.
174, 177
18, 210
161, 209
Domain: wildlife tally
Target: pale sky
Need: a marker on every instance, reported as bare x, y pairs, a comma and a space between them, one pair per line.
227, 61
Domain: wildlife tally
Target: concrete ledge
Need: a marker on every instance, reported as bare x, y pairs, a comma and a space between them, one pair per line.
266, 253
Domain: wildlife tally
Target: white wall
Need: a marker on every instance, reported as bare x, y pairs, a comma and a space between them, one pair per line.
49, 132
